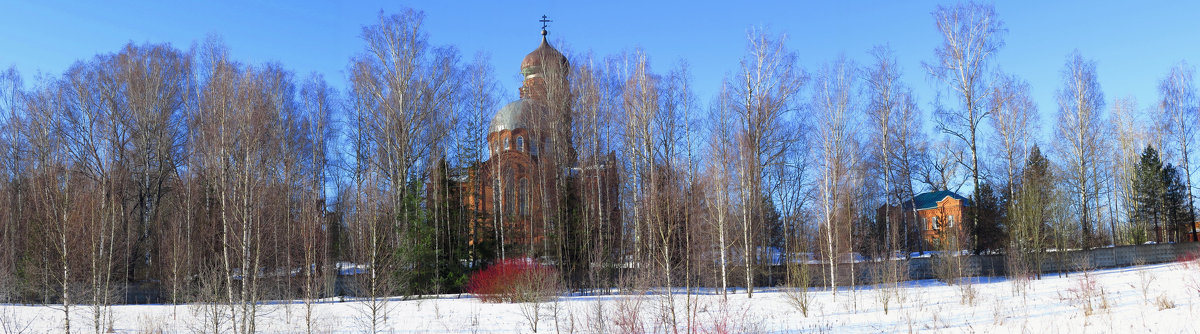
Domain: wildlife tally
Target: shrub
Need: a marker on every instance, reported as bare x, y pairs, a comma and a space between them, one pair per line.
1191, 263
1190, 259
1087, 294
514, 281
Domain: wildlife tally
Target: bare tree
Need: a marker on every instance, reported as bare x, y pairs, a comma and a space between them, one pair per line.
596, 100
95, 143
480, 101
240, 145
971, 35
941, 168
1130, 138
910, 148
1080, 119
1014, 117
885, 100
318, 105
837, 157
12, 142
53, 183
640, 103
720, 172
764, 90
1178, 105
403, 87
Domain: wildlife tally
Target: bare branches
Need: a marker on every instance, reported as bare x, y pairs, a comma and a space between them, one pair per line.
1014, 117
764, 93
1080, 119
1178, 106
836, 157
971, 35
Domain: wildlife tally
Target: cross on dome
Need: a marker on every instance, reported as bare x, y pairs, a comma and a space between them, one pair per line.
544, 22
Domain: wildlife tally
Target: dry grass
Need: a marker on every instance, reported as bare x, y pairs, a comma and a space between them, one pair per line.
1087, 294
1163, 302
149, 324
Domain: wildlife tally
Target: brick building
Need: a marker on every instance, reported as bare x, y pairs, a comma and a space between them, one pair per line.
936, 213
531, 157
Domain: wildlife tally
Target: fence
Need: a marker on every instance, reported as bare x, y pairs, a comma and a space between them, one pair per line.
996, 265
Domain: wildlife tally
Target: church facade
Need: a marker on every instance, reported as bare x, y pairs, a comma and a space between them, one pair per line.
531, 191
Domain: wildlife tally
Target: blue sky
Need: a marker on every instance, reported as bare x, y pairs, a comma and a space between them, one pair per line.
1133, 42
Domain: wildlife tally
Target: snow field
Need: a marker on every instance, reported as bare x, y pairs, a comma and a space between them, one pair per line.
1158, 298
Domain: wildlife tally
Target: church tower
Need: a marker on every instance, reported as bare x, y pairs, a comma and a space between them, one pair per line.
532, 161
529, 145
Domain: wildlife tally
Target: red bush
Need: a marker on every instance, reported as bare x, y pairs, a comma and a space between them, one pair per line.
1189, 258
514, 280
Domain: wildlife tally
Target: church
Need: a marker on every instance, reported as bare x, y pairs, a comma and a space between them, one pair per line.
532, 192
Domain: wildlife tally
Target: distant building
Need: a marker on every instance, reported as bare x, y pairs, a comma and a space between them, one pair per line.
936, 214
531, 157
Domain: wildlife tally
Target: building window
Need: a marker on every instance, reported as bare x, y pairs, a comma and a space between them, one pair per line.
533, 147
950, 222
935, 224
506, 146
524, 196
521, 143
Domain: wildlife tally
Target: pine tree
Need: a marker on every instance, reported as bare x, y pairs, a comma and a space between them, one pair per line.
1175, 206
988, 211
1149, 192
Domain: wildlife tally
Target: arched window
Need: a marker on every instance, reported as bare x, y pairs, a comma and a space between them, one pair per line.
521, 143
524, 196
506, 146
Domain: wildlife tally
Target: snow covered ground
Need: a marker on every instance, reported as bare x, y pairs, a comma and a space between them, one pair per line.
1123, 300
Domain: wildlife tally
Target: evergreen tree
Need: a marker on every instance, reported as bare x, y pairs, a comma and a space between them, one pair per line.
1028, 216
1175, 206
988, 211
1149, 192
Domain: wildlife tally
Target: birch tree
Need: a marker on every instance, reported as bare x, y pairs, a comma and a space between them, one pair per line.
885, 99
318, 105
95, 140
764, 90
910, 147
480, 102
1130, 138
53, 182
1014, 117
971, 35
402, 89
1178, 105
720, 172
1080, 119
833, 104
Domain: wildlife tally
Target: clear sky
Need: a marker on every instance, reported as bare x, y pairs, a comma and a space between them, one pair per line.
1133, 42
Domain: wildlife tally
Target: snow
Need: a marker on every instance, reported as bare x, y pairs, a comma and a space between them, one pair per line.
1050, 305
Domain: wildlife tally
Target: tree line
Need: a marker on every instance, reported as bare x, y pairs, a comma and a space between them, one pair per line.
212, 180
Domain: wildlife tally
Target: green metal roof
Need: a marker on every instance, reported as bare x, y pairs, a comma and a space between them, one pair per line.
929, 200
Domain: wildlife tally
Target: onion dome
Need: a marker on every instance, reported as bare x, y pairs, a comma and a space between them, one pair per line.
533, 62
